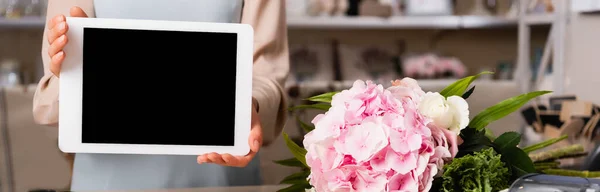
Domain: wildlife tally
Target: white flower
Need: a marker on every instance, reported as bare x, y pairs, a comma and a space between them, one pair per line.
451, 113
310, 190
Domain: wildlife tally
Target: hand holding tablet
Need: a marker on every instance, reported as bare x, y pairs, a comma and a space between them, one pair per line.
157, 87
57, 39
255, 141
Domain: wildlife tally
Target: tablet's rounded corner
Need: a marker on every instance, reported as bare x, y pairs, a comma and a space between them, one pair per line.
72, 21
63, 147
242, 150
247, 29
245, 150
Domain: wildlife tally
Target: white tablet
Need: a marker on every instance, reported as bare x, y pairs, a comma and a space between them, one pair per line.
155, 87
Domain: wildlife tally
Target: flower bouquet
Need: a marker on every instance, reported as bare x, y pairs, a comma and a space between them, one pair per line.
401, 138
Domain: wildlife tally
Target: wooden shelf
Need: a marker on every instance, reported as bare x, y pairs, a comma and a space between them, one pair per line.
441, 22
421, 22
22, 23
539, 19
409, 22
487, 22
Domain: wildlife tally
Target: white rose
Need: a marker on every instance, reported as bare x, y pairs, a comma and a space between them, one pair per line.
310, 190
451, 113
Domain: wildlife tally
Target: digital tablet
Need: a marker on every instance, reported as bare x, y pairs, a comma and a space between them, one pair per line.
155, 87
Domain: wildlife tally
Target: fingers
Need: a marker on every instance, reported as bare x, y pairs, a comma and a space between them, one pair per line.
202, 159
56, 19
215, 158
226, 159
77, 12
58, 40
57, 45
56, 27
55, 63
230, 159
255, 140
237, 161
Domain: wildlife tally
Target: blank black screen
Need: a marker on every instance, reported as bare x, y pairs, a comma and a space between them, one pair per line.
158, 87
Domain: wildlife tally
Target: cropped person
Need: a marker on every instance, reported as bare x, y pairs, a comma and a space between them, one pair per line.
134, 172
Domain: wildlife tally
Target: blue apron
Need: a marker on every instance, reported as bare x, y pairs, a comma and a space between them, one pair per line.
140, 172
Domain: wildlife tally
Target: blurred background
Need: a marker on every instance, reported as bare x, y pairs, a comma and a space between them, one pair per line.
529, 44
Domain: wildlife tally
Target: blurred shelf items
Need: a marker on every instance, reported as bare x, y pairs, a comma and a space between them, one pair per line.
22, 13
445, 14
336, 63
335, 42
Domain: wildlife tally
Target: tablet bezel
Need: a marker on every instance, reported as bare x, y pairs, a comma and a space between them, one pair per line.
70, 97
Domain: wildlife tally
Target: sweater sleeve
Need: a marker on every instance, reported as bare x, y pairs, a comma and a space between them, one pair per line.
271, 62
45, 100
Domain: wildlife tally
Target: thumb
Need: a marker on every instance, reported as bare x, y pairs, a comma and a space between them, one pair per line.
256, 138
77, 12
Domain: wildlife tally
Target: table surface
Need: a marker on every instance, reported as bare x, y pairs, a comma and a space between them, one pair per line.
263, 188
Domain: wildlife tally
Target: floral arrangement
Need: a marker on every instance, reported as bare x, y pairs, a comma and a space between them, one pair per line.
401, 138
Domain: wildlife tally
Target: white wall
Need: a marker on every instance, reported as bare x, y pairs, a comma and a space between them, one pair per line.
583, 58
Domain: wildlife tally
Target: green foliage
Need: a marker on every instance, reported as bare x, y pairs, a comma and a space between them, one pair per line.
323, 102
483, 163
506, 140
291, 162
296, 188
319, 106
305, 126
436, 185
502, 109
489, 134
518, 161
515, 159
467, 94
482, 171
325, 97
297, 151
573, 173
543, 144
459, 87
474, 141
296, 178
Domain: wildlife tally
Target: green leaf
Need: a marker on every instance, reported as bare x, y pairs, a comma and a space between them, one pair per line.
506, 140
502, 109
291, 162
296, 188
489, 134
297, 151
320, 106
468, 93
470, 149
459, 87
519, 161
305, 126
325, 97
474, 141
296, 178
544, 144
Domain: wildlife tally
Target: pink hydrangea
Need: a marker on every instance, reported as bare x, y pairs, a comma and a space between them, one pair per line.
375, 139
407, 88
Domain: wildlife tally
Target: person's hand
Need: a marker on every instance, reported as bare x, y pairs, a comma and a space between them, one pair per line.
56, 36
255, 141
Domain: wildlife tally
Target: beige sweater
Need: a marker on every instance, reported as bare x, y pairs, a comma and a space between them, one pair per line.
271, 63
